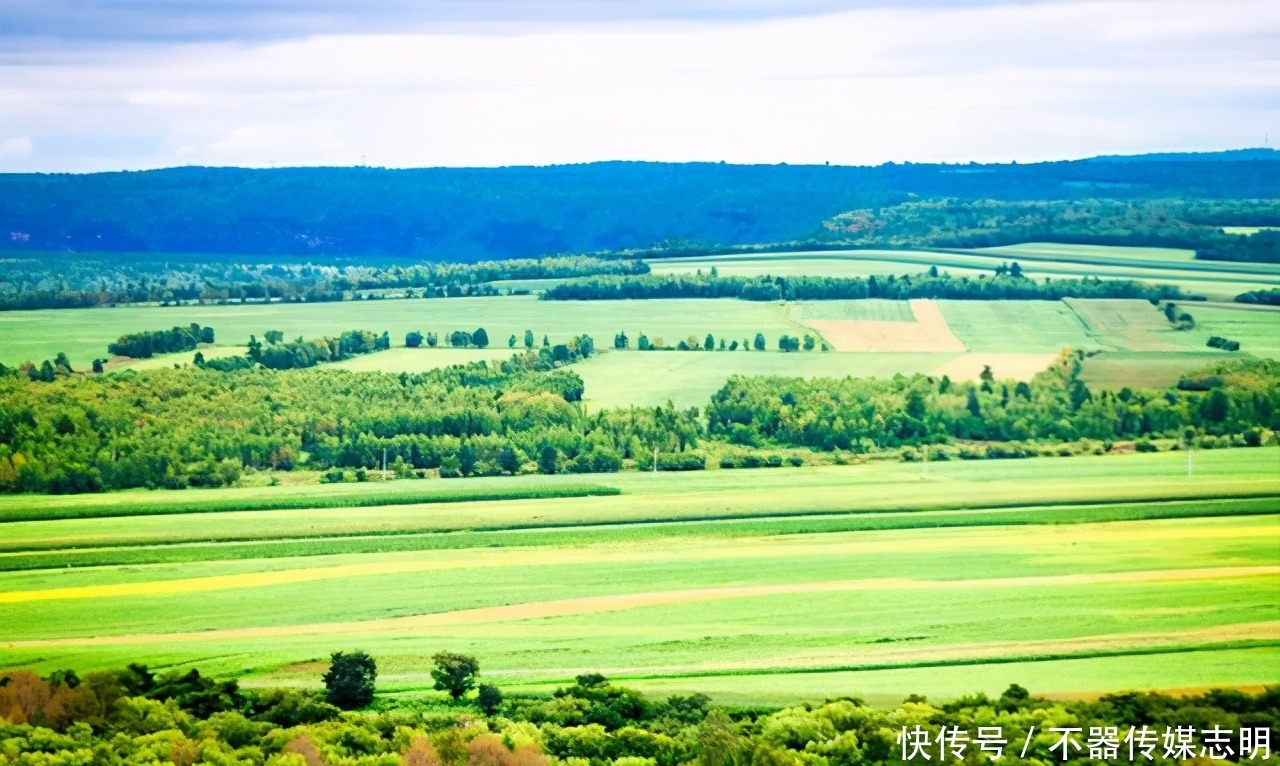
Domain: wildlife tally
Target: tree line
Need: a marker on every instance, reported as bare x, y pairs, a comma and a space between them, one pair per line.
135, 715
1194, 224
521, 415
932, 284
68, 281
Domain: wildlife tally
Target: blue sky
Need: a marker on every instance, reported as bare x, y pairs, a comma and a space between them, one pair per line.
129, 84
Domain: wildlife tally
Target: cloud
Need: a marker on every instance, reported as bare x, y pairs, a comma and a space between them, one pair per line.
972, 81
18, 146
30, 23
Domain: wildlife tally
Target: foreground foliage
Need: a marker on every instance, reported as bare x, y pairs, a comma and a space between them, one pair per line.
136, 717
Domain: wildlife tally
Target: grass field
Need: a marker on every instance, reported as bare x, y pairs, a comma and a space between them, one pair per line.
754, 586
84, 333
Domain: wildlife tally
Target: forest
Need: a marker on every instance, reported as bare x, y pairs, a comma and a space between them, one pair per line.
469, 214
137, 716
199, 426
1007, 284
1179, 223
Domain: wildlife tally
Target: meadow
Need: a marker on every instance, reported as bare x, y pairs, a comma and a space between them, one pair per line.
1072, 575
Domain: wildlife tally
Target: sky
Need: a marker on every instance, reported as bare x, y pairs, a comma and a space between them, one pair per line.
92, 85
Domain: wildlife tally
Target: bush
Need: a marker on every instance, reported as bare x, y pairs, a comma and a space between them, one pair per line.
1145, 446
681, 461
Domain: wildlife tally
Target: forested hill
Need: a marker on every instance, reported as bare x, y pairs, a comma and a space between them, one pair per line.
463, 214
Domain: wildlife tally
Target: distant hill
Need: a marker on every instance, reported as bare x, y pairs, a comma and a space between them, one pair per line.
481, 213
1229, 155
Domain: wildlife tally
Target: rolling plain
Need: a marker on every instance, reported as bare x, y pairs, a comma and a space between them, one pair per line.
1073, 575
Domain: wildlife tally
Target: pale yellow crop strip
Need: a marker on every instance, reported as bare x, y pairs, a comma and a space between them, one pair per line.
620, 602
796, 546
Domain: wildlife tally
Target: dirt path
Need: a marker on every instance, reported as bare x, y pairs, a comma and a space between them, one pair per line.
620, 602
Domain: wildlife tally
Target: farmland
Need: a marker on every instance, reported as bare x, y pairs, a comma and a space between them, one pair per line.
754, 586
1219, 281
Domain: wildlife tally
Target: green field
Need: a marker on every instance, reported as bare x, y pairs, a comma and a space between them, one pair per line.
869, 310
689, 378
1023, 326
753, 586
84, 333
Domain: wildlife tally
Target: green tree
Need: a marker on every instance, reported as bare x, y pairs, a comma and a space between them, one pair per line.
809, 343
508, 459
349, 683
413, 339
642, 342
972, 404
528, 339
206, 335
454, 673
710, 343
489, 698
480, 338
467, 459
547, 459
621, 341
273, 336
97, 365
759, 343
511, 342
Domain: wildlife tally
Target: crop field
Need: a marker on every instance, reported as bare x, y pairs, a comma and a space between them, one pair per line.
1070, 576
1016, 326
1094, 253
1217, 280
916, 325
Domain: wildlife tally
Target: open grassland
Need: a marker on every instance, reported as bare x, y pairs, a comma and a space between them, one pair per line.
1247, 230
754, 586
84, 333
1257, 331
1115, 370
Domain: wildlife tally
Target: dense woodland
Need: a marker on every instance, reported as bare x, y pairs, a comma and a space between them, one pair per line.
1179, 223
200, 426
135, 716
41, 281
468, 214
1004, 285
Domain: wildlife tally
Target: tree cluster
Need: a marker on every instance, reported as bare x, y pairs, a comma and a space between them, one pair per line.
932, 285
134, 716
1261, 297
144, 345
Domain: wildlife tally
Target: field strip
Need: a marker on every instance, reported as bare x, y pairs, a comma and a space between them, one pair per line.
869, 655
880, 521
621, 602
928, 333
808, 545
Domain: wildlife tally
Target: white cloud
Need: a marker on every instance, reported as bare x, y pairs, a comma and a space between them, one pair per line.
17, 146
1018, 82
